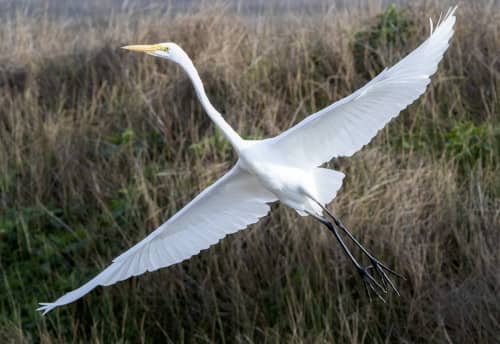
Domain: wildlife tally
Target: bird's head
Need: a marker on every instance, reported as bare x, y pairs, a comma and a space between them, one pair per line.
167, 50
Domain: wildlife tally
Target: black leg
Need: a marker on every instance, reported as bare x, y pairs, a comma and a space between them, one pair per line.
379, 267
370, 283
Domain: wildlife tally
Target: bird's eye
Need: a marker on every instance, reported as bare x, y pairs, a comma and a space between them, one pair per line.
165, 49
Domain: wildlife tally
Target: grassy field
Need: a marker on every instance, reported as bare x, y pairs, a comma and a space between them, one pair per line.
99, 146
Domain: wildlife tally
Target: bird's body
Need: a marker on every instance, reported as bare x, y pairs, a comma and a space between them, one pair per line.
292, 186
284, 168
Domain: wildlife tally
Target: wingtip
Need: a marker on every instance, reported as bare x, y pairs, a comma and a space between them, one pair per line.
442, 19
453, 9
46, 307
451, 12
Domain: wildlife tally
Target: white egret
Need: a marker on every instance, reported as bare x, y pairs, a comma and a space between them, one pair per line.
284, 168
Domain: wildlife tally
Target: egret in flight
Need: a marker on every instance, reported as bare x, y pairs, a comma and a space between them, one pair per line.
284, 168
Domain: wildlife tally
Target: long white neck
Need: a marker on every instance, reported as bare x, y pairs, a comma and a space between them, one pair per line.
231, 135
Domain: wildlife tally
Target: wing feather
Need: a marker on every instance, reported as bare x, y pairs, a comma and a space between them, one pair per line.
347, 125
229, 205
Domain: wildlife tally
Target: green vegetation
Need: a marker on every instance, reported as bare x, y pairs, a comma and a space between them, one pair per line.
391, 29
470, 145
98, 147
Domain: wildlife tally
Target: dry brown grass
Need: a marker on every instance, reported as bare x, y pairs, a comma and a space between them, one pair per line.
97, 147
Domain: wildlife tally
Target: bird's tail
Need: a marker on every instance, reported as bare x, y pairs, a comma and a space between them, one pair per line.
328, 182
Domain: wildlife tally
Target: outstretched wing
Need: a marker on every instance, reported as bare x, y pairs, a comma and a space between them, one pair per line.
229, 205
347, 125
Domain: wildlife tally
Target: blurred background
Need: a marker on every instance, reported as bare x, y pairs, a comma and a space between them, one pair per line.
99, 146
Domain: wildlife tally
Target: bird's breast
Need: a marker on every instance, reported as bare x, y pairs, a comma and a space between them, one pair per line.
291, 185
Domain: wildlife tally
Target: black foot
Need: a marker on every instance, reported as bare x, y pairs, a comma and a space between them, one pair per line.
371, 283
382, 270
378, 266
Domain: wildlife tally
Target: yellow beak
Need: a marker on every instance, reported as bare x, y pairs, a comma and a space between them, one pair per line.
145, 48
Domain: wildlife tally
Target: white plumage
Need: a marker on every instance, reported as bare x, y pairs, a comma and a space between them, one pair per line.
344, 127
283, 168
